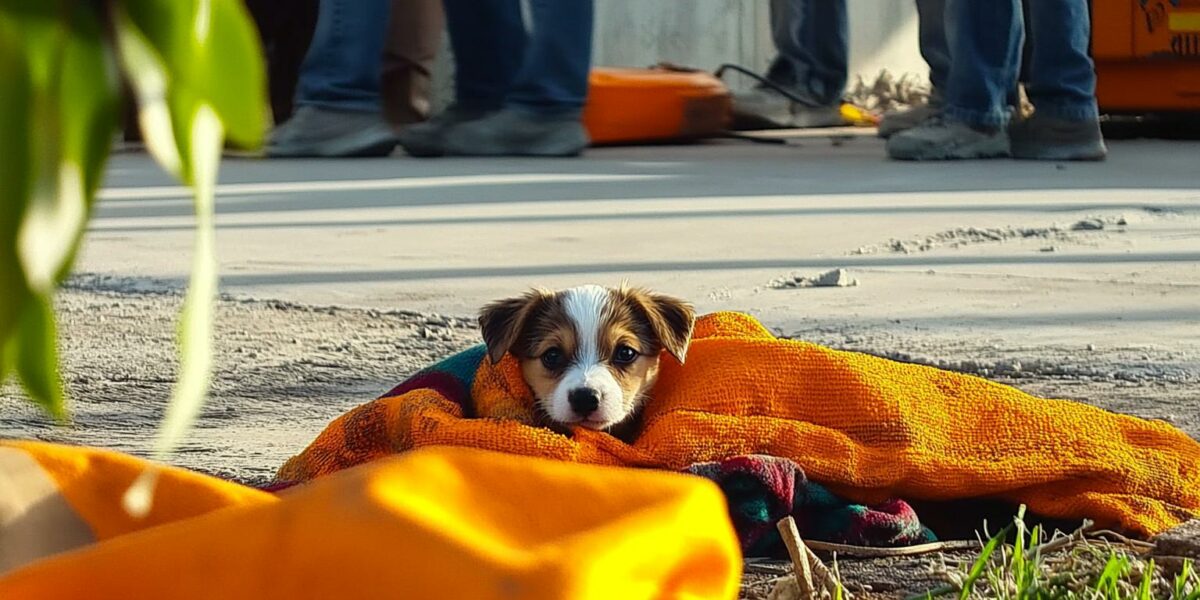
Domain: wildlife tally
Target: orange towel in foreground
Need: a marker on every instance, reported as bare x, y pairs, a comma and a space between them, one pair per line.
868, 427
436, 523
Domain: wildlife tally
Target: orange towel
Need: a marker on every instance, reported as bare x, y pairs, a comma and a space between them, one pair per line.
868, 427
437, 523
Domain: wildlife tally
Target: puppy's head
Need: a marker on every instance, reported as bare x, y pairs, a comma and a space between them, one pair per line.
588, 353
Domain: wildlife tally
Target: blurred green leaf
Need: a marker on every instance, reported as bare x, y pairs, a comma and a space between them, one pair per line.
211, 53
35, 351
197, 71
59, 112
75, 113
147, 77
15, 128
195, 322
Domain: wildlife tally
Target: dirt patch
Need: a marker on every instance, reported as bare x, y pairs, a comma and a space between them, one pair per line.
864, 578
960, 237
283, 371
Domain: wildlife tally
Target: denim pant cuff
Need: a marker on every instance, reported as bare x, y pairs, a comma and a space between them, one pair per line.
976, 118
1068, 111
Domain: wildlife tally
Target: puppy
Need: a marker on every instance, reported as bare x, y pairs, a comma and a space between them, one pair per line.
590, 354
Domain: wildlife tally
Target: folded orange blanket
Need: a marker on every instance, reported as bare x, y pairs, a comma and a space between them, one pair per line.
436, 523
868, 427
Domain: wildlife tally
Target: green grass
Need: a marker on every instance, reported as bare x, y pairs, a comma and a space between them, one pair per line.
1080, 569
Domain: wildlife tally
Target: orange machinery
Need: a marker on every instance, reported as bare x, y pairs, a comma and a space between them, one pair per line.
1147, 55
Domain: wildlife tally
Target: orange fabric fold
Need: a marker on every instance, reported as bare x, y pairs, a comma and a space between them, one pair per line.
178, 493
868, 427
435, 523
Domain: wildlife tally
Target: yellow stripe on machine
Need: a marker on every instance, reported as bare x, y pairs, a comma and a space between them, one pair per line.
1184, 21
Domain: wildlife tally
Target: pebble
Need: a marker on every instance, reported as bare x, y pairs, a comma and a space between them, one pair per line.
834, 278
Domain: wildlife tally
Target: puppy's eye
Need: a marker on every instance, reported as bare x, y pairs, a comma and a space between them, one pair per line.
553, 359
625, 355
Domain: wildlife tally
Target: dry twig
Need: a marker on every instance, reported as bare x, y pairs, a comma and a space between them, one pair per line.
799, 555
879, 552
811, 573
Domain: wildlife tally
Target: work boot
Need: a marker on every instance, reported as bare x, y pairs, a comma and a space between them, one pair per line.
314, 131
895, 121
428, 138
515, 132
1048, 138
767, 108
943, 138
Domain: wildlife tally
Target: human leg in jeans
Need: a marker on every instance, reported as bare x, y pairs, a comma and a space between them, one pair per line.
1062, 86
985, 46
286, 29
515, 92
935, 49
811, 64
488, 39
553, 78
413, 39
338, 110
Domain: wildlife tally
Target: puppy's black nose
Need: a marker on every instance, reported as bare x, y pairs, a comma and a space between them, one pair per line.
584, 401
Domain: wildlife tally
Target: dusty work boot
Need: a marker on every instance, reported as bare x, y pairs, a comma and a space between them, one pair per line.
322, 132
429, 138
1048, 138
895, 121
515, 132
943, 138
766, 108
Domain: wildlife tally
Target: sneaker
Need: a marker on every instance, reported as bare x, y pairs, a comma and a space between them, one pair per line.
1048, 138
428, 138
943, 138
322, 132
766, 108
514, 132
895, 121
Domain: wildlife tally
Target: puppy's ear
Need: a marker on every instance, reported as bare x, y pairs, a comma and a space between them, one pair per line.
671, 319
502, 321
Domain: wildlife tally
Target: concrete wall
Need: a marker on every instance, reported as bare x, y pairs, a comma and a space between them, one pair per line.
707, 33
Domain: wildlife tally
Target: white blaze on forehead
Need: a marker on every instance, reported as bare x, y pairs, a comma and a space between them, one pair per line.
586, 306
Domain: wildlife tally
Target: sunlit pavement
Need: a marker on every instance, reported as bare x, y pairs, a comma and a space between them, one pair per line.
716, 223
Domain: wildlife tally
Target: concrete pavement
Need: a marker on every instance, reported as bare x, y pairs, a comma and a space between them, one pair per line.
978, 249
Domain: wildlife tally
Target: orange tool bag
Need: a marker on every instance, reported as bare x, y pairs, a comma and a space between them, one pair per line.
662, 103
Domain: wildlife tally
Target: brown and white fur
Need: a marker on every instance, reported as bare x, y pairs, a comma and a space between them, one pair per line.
590, 354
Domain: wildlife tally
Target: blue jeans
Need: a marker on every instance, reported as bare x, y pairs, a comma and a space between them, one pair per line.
985, 40
1062, 76
498, 63
984, 37
811, 40
935, 48
341, 69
